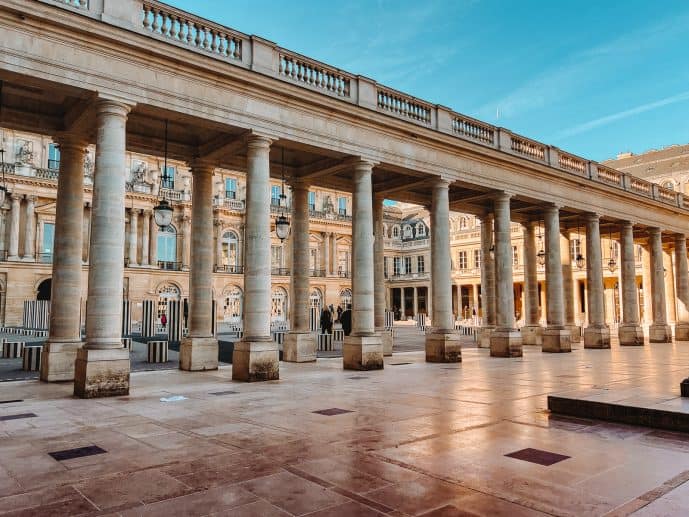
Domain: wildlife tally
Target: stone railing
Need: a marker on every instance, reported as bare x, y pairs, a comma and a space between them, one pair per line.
526, 147
409, 276
185, 29
641, 186
158, 20
667, 195
229, 204
47, 174
404, 106
173, 195
314, 74
473, 129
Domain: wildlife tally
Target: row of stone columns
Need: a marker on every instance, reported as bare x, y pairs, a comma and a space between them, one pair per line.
13, 218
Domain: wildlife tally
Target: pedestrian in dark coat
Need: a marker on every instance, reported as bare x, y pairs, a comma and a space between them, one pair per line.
346, 320
326, 321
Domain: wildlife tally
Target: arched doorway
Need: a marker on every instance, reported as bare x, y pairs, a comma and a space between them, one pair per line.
232, 304
279, 305
345, 298
43, 290
166, 292
316, 298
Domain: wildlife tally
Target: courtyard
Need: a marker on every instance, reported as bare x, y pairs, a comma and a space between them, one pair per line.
413, 439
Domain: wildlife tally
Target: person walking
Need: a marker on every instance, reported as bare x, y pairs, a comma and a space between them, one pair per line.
339, 312
346, 320
326, 320
163, 320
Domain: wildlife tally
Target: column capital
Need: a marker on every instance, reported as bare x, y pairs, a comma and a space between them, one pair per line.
259, 141
363, 164
201, 166
30, 198
654, 231
551, 208
70, 140
591, 217
296, 183
440, 183
627, 224
503, 196
110, 106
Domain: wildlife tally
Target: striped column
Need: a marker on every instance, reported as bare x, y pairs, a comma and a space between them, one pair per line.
148, 319
126, 318
175, 321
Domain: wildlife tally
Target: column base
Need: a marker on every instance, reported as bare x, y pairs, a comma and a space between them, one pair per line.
255, 361
198, 354
631, 335
362, 353
532, 335
682, 331
506, 343
57, 360
556, 340
101, 372
484, 336
299, 347
574, 333
660, 334
443, 348
387, 339
597, 337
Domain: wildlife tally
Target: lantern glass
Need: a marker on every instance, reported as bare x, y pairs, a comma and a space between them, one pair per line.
612, 265
282, 227
580, 261
3, 195
162, 214
541, 257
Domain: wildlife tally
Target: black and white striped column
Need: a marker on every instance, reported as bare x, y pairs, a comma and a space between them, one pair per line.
126, 318
148, 319
175, 321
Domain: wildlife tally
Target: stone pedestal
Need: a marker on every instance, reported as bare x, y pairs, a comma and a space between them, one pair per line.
101, 372
556, 340
299, 347
682, 332
255, 361
387, 340
574, 333
484, 337
631, 335
532, 335
198, 354
506, 343
597, 337
57, 361
362, 353
660, 333
443, 348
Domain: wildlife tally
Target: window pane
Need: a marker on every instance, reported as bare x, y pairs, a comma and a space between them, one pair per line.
48, 237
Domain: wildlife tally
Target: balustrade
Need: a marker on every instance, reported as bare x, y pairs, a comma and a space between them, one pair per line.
312, 73
473, 129
404, 106
608, 175
523, 146
571, 163
641, 186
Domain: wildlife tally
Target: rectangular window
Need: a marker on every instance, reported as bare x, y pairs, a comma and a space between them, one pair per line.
407, 265
462, 260
275, 195
53, 157
477, 258
231, 188
342, 205
385, 267
575, 248
396, 266
312, 201
276, 257
515, 256
48, 238
168, 182
420, 264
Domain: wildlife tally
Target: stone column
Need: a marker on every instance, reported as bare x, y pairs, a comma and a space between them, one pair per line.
326, 253
379, 276
86, 233
363, 349
442, 343
199, 350
30, 229
255, 358
102, 365
659, 331
13, 246
153, 243
186, 241
682, 288
415, 305
60, 351
630, 332
532, 330
568, 287
403, 307
597, 333
670, 294
505, 341
300, 343
145, 236
555, 337
133, 236
487, 281
646, 284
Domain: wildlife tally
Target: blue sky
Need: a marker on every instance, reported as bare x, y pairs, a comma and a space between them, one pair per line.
592, 77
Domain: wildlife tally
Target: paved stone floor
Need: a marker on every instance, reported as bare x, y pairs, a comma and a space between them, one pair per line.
413, 439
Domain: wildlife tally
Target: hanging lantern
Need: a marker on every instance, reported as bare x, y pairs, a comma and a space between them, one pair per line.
612, 264
540, 257
282, 225
491, 251
580, 261
162, 213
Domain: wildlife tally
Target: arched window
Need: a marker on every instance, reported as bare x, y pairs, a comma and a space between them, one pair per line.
230, 249
420, 230
396, 231
44, 288
279, 305
345, 298
407, 233
463, 223
232, 304
316, 298
167, 245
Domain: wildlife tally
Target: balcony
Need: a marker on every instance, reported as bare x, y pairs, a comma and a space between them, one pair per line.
409, 276
169, 266
54, 165
344, 274
317, 273
230, 194
228, 269
279, 271
229, 204
173, 195
44, 258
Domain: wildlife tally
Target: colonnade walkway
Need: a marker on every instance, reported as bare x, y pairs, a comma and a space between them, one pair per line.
413, 438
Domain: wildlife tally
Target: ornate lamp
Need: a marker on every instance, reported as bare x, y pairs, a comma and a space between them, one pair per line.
612, 263
281, 221
579, 259
162, 213
540, 256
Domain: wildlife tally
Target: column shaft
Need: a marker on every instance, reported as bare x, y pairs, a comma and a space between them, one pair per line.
555, 337
597, 333
630, 332
659, 331
379, 275
487, 272
60, 351
300, 257
531, 331
145, 236
682, 288
153, 243
133, 236
13, 247
30, 228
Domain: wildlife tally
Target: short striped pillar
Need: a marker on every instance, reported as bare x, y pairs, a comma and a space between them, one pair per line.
175, 321
126, 318
127, 343
389, 320
31, 358
314, 318
12, 349
421, 322
338, 335
214, 318
157, 351
278, 336
148, 319
325, 341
